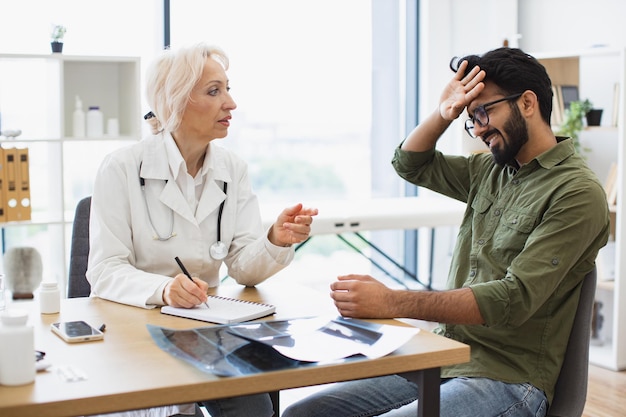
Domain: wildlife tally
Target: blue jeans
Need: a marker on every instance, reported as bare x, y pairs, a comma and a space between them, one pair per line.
459, 397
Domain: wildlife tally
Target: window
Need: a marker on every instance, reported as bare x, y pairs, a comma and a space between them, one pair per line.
301, 76
317, 83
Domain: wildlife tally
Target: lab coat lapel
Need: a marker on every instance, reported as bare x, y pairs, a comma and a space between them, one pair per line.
212, 197
173, 198
155, 166
213, 192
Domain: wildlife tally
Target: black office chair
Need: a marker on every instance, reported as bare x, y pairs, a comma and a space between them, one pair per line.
77, 285
570, 393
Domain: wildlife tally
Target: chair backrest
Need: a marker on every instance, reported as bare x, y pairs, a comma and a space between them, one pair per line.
570, 391
78, 286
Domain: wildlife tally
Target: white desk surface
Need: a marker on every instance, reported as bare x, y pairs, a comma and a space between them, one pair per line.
405, 213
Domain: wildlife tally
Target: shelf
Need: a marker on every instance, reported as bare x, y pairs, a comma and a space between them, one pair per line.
606, 285
62, 167
589, 52
600, 75
600, 129
602, 355
23, 141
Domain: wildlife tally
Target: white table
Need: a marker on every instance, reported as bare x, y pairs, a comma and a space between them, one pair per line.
404, 213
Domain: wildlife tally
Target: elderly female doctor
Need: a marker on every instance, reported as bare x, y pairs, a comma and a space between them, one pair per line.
177, 193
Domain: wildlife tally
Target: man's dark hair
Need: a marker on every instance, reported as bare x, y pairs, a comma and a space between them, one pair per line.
513, 71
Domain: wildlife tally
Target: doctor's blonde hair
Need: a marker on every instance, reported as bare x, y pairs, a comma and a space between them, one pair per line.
170, 80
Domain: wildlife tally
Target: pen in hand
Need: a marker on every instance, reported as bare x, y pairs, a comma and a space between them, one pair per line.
182, 268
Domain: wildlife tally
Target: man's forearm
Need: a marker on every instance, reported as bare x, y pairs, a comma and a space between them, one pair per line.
425, 135
451, 307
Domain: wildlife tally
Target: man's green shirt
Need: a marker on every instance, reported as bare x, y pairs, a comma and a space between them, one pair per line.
527, 239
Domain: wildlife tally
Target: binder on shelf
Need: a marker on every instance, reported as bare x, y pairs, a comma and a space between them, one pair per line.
568, 94
562, 97
557, 108
610, 185
3, 216
23, 184
11, 196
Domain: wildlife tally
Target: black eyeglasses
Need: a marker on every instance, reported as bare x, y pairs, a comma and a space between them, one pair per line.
481, 117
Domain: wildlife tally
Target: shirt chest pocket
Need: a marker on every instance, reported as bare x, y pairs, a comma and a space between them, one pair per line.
480, 208
513, 230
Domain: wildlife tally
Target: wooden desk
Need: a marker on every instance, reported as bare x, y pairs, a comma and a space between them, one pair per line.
128, 370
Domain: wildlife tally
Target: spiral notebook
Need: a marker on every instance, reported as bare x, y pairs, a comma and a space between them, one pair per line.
223, 310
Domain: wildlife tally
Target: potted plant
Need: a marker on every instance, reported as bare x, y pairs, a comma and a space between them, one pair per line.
594, 116
57, 34
573, 120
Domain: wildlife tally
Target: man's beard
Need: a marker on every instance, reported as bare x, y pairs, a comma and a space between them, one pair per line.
516, 137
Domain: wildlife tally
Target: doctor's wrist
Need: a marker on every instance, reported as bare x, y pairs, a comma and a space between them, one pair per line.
271, 236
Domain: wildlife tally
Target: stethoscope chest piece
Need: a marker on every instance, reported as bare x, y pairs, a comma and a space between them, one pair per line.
218, 250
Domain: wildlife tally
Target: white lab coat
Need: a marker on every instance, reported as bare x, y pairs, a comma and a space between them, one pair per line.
126, 263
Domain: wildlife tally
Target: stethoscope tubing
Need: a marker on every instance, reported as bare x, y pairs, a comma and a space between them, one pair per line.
217, 251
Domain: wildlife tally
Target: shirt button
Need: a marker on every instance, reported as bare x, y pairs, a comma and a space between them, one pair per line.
481, 242
555, 261
514, 221
515, 181
497, 212
472, 273
447, 334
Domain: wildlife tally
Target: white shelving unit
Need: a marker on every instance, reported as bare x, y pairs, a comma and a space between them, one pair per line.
597, 72
37, 96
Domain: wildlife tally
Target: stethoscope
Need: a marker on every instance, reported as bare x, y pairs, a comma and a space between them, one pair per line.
218, 250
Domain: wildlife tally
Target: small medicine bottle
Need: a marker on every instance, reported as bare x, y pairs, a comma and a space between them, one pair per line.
17, 347
78, 120
49, 298
95, 122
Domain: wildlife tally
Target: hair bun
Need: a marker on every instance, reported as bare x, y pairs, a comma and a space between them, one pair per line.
154, 123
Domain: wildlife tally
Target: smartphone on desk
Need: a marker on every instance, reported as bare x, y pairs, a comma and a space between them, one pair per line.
76, 331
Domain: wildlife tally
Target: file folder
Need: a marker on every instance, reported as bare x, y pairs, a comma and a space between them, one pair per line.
23, 184
11, 197
3, 185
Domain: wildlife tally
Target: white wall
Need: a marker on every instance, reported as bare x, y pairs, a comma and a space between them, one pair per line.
555, 25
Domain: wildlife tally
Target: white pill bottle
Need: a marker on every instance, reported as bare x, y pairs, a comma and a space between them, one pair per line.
17, 348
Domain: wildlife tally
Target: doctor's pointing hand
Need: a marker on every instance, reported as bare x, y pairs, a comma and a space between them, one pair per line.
292, 226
